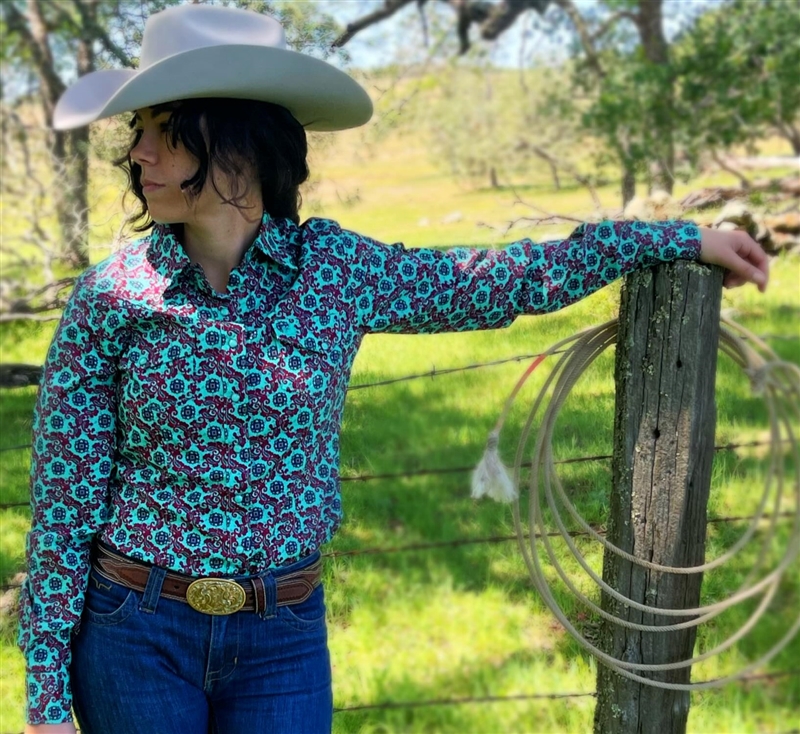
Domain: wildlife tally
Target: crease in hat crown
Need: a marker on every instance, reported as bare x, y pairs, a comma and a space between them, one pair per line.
187, 27
192, 51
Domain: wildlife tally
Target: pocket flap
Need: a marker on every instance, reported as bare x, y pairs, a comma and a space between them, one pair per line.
306, 332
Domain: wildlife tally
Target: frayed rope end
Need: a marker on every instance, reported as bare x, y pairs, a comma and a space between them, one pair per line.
491, 478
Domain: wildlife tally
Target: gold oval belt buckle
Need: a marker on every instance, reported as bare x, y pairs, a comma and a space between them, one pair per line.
215, 596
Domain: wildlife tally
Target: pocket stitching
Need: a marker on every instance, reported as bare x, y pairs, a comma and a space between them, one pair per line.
285, 614
123, 611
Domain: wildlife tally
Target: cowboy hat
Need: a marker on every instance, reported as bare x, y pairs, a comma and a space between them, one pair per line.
194, 51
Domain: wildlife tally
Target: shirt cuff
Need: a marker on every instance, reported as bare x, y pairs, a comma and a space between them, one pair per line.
687, 239
49, 696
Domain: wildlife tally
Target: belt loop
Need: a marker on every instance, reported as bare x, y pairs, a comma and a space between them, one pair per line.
270, 596
258, 594
152, 591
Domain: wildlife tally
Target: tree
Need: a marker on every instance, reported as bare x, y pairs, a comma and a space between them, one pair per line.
459, 109
738, 74
595, 34
47, 37
645, 93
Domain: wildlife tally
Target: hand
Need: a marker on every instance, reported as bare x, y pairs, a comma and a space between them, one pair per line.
738, 253
66, 728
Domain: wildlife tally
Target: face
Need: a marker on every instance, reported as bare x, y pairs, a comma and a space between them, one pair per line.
165, 168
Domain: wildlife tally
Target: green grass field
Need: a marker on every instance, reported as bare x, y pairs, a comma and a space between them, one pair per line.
463, 621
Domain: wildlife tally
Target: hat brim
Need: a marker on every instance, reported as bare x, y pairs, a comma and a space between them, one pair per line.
319, 96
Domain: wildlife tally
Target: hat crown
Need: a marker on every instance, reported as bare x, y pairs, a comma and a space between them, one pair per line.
188, 27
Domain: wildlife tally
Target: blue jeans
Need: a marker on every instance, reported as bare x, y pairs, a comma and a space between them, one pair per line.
149, 665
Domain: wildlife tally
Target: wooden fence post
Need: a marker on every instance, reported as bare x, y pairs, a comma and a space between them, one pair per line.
663, 450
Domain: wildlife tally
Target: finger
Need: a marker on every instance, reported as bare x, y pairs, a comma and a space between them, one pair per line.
733, 281
749, 250
733, 261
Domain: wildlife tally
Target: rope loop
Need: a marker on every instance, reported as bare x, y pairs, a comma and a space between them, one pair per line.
779, 384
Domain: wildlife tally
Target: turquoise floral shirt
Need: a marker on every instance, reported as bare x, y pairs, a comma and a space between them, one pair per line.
199, 431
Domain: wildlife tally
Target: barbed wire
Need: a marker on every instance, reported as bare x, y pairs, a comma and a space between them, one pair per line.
433, 545
464, 368
527, 465
439, 544
460, 701
464, 700
519, 358
464, 469
460, 469
528, 696
447, 371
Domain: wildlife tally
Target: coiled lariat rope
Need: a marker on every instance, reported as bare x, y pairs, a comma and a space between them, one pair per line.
778, 381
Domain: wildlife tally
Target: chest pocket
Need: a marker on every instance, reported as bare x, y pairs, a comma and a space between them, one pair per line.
308, 357
156, 385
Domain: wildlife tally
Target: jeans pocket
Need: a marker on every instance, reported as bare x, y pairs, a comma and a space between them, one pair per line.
108, 602
308, 615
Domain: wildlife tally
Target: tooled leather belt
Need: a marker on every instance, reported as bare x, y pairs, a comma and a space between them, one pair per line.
210, 595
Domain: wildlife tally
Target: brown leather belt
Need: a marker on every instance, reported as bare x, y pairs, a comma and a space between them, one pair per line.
210, 595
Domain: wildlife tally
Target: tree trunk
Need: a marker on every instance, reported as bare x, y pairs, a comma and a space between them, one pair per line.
663, 452
77, 197
68, 151
493, 178
792, 134
650, 22
628, 183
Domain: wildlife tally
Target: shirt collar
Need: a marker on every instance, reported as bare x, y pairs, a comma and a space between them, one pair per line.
169, 257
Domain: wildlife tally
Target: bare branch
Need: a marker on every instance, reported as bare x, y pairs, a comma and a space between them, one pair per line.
503, 15
423, 19
745, 182
493, 18
390, 7
611, 21
556, 163
587, 41
33, 31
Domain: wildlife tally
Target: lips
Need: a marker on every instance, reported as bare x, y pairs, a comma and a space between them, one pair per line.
148, 186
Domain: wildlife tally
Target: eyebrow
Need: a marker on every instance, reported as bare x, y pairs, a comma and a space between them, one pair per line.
156, 110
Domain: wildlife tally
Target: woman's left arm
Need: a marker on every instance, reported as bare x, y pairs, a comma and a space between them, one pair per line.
427, 290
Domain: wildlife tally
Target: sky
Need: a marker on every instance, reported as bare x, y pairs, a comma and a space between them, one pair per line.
384, 43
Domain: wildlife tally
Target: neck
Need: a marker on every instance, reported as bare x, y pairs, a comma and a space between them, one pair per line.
218, 243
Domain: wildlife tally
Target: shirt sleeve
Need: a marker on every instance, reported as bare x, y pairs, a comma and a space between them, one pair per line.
427, 290
73, 445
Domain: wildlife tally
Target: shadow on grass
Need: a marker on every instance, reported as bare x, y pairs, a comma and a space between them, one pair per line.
403, 428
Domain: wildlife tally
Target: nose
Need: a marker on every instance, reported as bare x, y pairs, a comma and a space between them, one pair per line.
145, 152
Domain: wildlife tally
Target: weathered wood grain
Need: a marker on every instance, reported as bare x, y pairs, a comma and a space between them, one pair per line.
663, 451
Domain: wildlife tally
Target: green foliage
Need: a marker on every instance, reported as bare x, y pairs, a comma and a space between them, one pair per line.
730, 79
631, 111
738, 74
490, 127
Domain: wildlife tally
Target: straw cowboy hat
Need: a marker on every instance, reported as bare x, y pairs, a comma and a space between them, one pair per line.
207, 51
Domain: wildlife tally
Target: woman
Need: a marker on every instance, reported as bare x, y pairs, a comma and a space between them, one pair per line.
185, 462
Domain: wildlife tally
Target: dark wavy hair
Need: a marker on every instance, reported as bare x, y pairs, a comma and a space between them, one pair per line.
227, 135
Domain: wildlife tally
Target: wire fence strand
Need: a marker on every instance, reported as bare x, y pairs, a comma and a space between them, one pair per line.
388, 705
494, 539
461, 701
460, 469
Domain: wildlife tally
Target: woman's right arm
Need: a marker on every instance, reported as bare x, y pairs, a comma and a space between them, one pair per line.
74, 427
